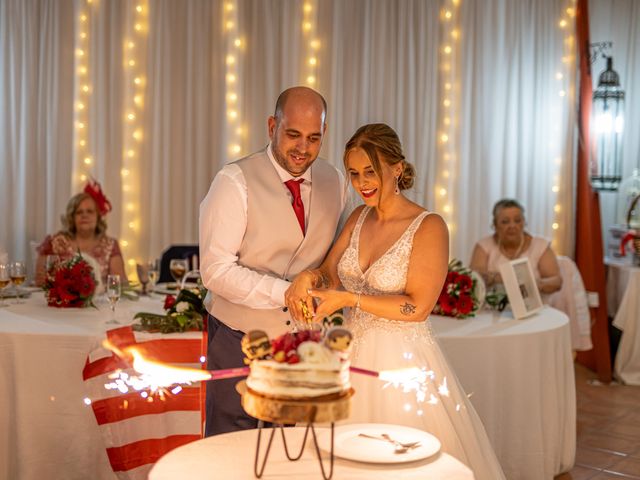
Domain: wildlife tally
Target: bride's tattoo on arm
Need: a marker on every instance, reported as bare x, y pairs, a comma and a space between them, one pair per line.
407, 309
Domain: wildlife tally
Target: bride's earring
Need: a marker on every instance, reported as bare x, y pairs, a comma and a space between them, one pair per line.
397, 190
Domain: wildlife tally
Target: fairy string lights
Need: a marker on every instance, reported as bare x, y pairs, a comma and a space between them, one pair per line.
234, 47
448, 112
134, 60
565, 94
312, 44
83, 163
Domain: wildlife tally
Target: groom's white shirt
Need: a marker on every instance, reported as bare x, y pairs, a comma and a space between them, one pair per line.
223, 222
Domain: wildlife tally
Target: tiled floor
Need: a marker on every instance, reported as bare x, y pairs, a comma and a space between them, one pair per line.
608, 430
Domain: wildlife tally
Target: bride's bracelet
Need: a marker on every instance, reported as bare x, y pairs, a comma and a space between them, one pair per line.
357, 305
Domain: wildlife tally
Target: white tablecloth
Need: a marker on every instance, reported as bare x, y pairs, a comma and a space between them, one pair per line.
521, 380
618, 272
230, 456
627, 319
46, 430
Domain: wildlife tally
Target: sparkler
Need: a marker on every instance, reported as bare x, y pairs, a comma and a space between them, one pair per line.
157, 376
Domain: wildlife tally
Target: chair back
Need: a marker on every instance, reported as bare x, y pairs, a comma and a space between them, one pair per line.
572, 300
187, 252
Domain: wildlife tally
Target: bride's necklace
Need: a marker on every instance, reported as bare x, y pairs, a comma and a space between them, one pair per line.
518, 251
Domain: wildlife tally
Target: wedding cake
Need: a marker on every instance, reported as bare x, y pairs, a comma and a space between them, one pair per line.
298, 365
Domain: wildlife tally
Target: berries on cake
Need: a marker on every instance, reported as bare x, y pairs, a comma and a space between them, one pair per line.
303, 365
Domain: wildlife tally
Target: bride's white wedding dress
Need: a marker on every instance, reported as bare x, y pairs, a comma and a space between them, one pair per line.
441, 407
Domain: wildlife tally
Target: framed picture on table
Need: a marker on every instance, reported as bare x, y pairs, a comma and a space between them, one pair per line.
522, 290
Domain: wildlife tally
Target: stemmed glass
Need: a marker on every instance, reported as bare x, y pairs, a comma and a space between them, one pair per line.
18, 274
114, 289
143, 275
154, 273
178, 267
5, 280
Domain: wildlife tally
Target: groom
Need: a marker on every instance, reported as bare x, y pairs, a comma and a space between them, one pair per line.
266, 218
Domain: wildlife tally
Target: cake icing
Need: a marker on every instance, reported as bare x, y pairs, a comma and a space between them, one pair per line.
299, 365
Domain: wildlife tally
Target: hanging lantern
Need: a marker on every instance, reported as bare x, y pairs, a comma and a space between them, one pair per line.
607, 125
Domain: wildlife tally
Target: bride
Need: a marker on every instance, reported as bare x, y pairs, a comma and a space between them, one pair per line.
388, 266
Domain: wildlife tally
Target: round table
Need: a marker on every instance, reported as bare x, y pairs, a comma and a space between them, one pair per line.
46, 430
231, 455
623, 302
520, 376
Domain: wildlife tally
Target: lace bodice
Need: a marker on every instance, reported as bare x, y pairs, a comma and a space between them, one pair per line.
386, 276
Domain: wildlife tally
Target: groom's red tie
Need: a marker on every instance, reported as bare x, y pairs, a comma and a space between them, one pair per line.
298, 206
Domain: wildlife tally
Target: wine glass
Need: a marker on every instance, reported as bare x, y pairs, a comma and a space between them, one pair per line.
5, 280
143, 275
18, 274
154, 273
114, 289
178, 267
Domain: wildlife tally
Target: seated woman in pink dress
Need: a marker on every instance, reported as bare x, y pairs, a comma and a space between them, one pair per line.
558, 279
511, 241
84, 230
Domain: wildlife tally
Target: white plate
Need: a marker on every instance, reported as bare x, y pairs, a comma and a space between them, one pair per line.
166, 288
348, 444
171, 288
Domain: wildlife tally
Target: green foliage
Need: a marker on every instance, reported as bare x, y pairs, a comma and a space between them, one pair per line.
184, 313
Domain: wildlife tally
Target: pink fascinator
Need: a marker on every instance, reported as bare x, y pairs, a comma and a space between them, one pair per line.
94, 189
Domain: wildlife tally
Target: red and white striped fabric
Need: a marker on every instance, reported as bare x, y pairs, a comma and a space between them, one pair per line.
137, 431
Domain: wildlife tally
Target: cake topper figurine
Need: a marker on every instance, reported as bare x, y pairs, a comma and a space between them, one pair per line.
339, 340
256, 346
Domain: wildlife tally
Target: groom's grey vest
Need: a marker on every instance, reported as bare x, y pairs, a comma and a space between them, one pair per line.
273, 242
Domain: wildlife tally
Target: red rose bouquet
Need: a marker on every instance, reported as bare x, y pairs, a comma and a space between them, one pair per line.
71, 284
461, 294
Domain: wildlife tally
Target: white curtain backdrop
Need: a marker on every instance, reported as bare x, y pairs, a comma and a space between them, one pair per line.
512, 132
618, 21
517, 123
36, 114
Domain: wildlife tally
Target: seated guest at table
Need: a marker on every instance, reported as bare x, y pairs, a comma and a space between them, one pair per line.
84, 229
511, 241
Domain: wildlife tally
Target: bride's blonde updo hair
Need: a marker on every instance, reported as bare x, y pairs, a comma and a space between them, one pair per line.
380, 140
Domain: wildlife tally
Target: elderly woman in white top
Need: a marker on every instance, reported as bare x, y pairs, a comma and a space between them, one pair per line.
511, 241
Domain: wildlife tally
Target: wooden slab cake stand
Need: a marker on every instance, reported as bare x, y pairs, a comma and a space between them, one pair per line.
281, 412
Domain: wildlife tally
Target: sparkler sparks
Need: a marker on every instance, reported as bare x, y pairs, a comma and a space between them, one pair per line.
158, 379
154, 377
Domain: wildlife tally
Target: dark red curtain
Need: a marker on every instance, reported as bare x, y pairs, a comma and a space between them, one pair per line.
589, 249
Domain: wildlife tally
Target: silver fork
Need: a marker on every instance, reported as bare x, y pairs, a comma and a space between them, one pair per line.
400, 447
403, 444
